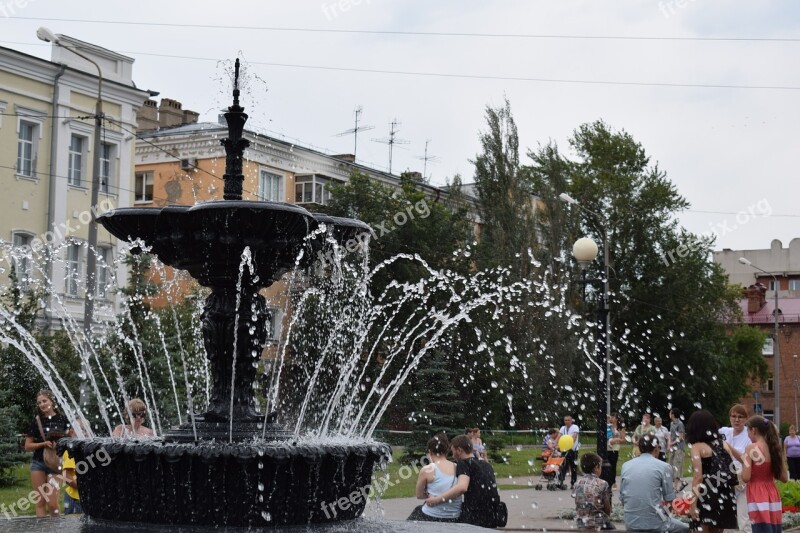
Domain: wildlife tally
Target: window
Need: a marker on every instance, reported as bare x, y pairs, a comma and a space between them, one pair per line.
769, 414
269, 186
312, 188
769, 386
144, 187
772, 284
72, 275
106, 166
75, 172
102, 276
794, 284
274, 333
767, 349
22, 259
25, 149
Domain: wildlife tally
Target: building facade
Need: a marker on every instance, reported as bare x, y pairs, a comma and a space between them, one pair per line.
47, 130
758, 309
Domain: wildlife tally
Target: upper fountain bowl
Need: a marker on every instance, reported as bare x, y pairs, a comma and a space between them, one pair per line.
208, 239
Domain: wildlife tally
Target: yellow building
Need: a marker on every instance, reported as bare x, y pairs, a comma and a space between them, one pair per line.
182, 162
47, 127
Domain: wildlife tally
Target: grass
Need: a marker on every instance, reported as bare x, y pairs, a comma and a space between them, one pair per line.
21, 489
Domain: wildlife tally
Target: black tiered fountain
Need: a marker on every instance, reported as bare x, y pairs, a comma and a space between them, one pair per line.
229, 466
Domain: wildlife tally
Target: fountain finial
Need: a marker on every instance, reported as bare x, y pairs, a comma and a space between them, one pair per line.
234, 144
236, 83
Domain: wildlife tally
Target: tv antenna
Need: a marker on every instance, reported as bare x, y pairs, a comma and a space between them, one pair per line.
391, 141
426, 158
354, 131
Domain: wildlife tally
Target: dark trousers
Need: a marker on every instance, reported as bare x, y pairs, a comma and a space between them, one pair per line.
794, 467
610, 475
569, 464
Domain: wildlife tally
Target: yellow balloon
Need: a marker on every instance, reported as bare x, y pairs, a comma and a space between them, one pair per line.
565, 443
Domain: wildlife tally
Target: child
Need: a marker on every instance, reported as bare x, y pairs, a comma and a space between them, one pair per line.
592, 495
72, 500
763, 464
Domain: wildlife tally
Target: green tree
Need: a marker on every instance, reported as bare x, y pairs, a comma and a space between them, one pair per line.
438, 404
668, 316
10, 453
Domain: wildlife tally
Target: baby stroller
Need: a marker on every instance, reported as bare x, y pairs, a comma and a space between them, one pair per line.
550, 470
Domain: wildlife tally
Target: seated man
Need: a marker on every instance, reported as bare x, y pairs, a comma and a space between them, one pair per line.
476, 481
646, 484
592, 495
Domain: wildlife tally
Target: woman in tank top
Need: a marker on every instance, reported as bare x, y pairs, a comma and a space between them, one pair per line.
435, 479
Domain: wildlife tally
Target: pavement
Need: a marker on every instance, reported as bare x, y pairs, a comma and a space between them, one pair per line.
528, 509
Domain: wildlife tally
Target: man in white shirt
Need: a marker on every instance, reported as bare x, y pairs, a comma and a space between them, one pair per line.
572, 455
736, 437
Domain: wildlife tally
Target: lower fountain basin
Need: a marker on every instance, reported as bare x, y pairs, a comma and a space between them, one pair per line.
219, 484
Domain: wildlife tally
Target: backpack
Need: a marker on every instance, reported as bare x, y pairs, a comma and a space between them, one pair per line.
482, 500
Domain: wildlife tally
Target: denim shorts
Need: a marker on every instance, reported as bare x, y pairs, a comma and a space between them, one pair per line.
71, 506
39, 466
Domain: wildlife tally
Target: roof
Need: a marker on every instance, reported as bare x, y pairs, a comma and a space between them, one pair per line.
213, 127
790, 311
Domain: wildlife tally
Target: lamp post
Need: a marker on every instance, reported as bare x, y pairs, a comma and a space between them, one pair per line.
776, 373
91, 258
794, 386
585, 251
566, 198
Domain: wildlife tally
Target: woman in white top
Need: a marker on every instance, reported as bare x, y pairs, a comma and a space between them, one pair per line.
435, 479
136, 412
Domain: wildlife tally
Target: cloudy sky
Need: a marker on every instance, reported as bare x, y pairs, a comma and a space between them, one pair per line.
710, 88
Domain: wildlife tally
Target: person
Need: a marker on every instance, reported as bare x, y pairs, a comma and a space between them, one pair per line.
571, 456
434, 479
592, 495
645, 428
616, 437
737, 438
662, 434
54, 425
137, 411
763, 464
72, 500
646, 483
477, 483
791, 449
478, 448
550, 444
714, 480
676, 447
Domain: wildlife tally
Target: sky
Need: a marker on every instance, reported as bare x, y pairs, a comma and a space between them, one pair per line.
710, 88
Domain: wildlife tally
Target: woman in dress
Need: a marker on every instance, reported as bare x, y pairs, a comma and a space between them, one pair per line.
435, 479
762, 465
791, 449
138, 411
53, 426
713, 481
616, 437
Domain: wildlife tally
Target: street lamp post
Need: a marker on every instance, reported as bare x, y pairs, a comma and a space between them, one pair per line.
566, 198
776, 373
585, 251
91, 258
794, 386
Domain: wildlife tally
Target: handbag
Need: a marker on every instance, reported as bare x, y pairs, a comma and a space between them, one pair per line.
50, 457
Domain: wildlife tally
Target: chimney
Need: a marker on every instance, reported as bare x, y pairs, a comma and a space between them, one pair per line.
190, 117
170, 113
347, 158
147, 116
756, 297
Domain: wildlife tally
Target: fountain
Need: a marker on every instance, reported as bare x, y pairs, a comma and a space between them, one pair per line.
229, 466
